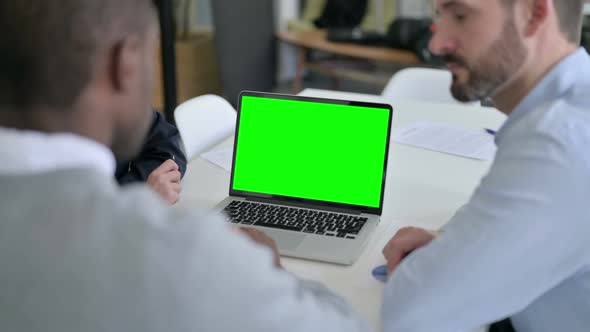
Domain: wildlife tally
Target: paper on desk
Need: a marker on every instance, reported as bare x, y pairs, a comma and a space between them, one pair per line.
220, 157
447, 139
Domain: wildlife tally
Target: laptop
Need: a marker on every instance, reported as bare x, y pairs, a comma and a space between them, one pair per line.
309, 172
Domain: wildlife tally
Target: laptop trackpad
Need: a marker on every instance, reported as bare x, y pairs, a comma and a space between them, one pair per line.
285, 240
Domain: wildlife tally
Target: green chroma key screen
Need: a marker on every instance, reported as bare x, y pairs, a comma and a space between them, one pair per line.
311, 150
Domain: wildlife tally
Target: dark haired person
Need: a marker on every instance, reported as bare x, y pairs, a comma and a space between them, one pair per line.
77, 251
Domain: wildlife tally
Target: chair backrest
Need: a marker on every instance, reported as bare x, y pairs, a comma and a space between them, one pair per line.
204, 121
422, 84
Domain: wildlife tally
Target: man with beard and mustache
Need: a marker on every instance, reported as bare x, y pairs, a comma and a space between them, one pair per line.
520, 247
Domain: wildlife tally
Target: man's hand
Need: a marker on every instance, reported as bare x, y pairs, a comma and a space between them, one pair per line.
403, 243
165, 180
263, 240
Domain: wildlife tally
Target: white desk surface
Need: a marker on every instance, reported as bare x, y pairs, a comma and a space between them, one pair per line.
423, 188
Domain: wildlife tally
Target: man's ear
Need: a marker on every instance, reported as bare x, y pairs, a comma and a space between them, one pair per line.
537, 12
123, 62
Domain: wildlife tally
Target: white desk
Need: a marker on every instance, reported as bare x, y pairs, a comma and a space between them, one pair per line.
423, 189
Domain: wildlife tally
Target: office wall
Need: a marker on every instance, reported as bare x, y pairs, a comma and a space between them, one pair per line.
203, 14
246, 45
414, 8
286, 10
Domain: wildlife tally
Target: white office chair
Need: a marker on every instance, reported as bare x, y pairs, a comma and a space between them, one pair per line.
203, 122
421, 84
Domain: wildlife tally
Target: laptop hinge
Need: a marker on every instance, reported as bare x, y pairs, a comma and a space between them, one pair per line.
304, 205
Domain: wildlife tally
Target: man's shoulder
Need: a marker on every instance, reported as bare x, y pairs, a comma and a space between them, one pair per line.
564, 121
567, 120
82, 204
83, 194
556, 132
137, 203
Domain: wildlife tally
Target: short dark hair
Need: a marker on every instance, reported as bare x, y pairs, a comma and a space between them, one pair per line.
569, 17
48, 47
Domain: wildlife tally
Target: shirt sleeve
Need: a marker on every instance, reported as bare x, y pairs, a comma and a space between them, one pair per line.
205, 277
519, 236
162, 143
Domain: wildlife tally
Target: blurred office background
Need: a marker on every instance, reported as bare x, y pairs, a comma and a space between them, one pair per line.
226, 46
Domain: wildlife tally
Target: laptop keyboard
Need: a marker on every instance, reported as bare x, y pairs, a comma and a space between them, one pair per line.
295, 219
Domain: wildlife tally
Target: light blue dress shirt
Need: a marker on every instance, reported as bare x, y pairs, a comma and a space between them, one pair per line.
520, 247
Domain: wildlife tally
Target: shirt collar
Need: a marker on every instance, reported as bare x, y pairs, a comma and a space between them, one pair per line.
29, 152
553, 85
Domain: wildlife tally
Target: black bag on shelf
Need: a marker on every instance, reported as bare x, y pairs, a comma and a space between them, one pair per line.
404, 33
342, 14
356, 36
413, 34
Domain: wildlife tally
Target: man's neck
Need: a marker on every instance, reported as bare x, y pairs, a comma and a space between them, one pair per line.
50, 120
545, 59
30, 120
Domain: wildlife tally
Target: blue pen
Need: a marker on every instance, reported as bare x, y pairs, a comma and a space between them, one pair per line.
490, 131
380, 273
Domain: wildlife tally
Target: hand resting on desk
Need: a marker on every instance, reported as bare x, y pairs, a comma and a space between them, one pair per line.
265, 241
403, 243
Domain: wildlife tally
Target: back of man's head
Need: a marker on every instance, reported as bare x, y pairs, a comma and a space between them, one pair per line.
50, 51
569, 14
48, 47
569, 17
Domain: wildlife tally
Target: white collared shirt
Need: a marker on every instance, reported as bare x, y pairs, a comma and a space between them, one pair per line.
520, 248
29, 152
79, 253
